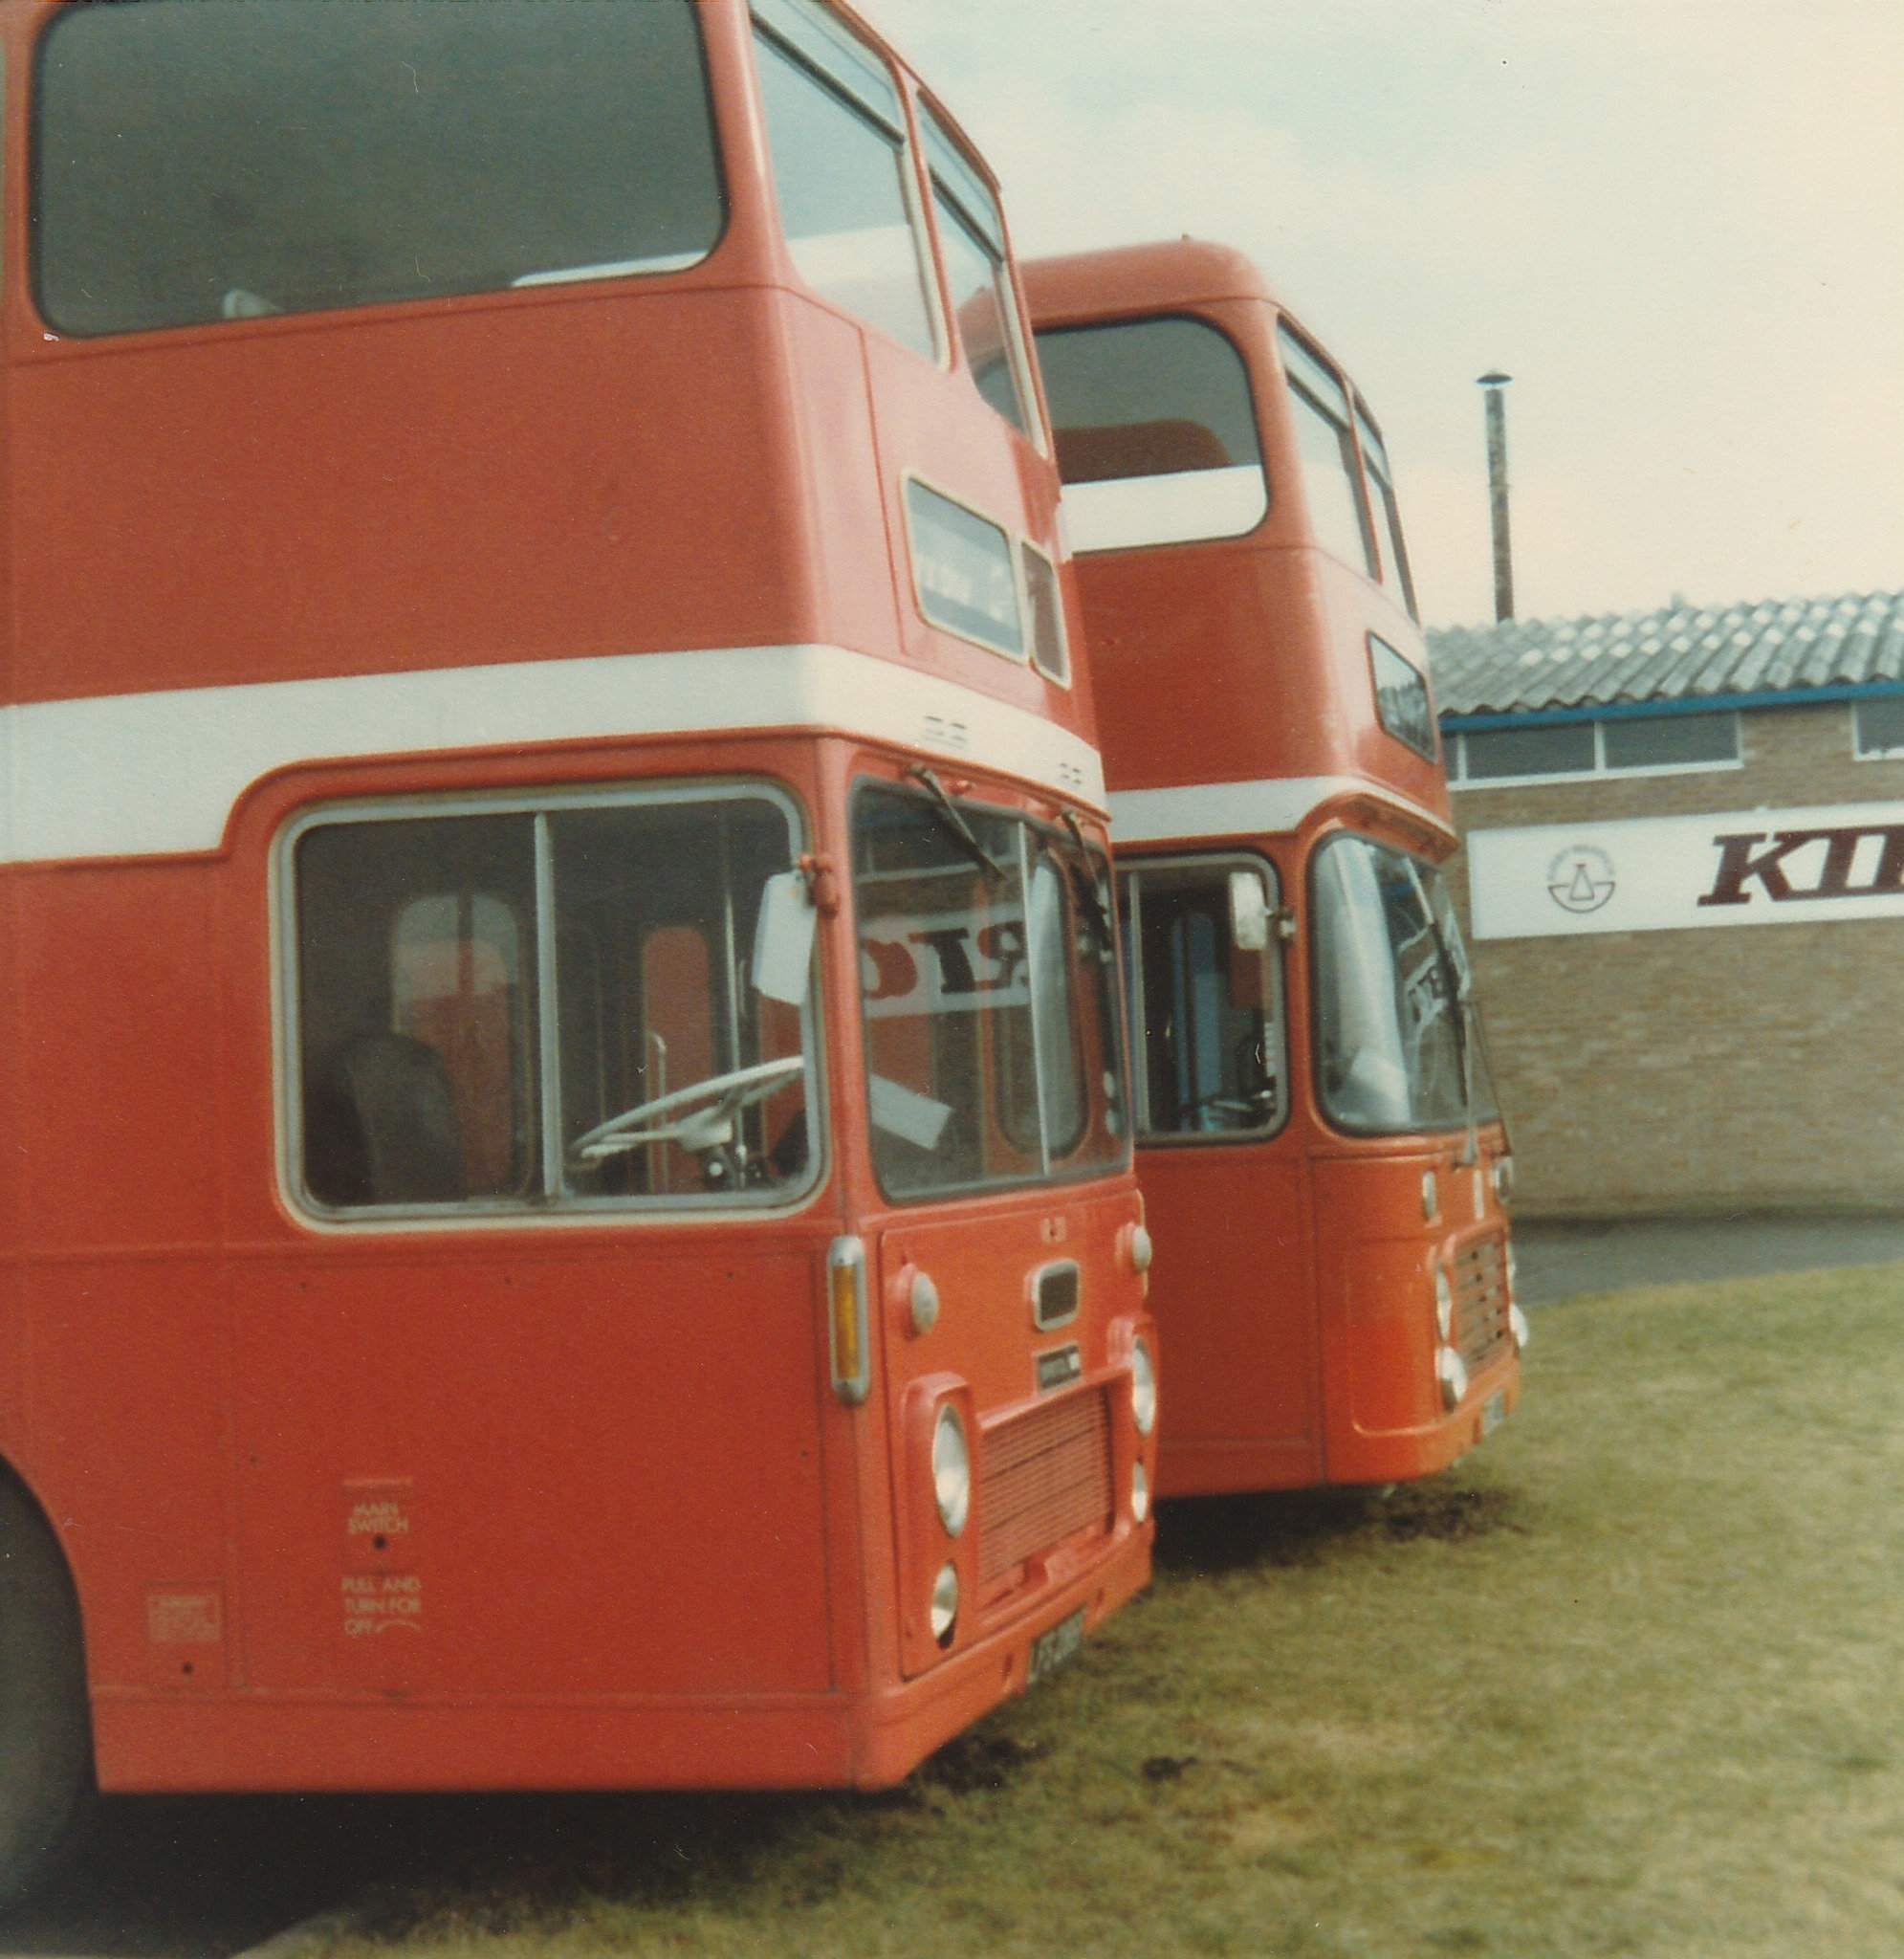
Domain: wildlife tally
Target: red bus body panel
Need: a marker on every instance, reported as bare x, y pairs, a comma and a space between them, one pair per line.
1293, 1274
637, 1538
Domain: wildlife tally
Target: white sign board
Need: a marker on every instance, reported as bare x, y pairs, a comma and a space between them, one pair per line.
1670, 873
951, 962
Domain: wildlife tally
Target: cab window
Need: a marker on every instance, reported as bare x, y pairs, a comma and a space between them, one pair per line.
1204, 982
547, 1007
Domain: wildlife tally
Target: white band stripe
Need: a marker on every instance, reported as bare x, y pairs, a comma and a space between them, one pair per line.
151, 774
1267, 807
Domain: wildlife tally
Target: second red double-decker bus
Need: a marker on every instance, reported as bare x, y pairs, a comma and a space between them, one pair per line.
1319, 1144
568, 1210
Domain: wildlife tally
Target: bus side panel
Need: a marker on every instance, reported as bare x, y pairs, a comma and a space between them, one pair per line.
1235, 632
1355, 609
118, 1160
838, 463
1376, 1289
125, 1454
1233, 1301
119, 1044
593, 1474
1385, 1419
362, 493
937, 426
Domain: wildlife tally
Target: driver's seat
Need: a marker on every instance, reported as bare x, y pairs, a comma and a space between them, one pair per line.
380, 1128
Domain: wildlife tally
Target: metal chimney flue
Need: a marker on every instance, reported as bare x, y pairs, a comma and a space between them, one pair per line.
1496, 491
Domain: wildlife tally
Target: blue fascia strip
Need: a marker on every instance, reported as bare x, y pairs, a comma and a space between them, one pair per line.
1687, 704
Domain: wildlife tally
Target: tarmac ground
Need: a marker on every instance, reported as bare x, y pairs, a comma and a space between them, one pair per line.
1555, 1261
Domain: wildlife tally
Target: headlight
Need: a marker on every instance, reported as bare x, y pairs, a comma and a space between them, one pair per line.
1430, 1195
1513, 1270
1518, 1321
951, 1470
1444, 1300
1143, 1388
1140, 1493
922, 1296
1504, 1177
1453, 1375
943, 1613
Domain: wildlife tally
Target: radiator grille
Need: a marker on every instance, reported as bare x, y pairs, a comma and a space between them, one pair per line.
1043, 1476
1481, 1329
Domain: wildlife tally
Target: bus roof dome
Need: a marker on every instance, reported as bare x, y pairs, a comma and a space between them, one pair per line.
1140, 278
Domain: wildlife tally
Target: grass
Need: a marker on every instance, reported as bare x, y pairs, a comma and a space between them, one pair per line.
1630, 1679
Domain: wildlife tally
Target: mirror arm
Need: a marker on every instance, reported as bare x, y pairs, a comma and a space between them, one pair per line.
823, 881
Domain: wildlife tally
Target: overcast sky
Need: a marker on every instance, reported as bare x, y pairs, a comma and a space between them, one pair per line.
1678, 223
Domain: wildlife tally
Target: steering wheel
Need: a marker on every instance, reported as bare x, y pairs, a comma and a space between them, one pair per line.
697, 1127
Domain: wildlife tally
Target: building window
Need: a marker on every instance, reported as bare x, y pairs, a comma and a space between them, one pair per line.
1669, 742
1625, 745
1877, 727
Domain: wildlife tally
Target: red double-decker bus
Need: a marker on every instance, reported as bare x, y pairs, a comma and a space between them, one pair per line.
569, 1217
1318, 1141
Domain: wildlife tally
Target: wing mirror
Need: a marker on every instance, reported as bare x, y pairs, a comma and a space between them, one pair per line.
1249, 911
783, 938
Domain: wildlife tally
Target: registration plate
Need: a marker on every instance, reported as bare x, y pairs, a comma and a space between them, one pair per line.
1049, 1651
1494, 1411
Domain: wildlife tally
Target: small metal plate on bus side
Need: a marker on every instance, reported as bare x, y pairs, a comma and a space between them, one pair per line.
1058, 1367
1050, 1650
1494, 1411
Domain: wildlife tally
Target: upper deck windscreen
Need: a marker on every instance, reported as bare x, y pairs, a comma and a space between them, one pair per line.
1156, 433
198, 159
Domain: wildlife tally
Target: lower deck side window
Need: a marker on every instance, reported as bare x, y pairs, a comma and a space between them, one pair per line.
538, 1007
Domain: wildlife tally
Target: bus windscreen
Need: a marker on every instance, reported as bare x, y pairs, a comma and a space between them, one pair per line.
986, 967
204, 160
1398, 1040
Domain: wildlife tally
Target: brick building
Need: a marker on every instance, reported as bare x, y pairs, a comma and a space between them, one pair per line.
1683, 877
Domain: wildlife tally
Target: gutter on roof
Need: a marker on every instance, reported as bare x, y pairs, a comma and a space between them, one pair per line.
1682, 704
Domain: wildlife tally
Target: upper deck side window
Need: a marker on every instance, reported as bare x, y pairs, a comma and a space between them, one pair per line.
1325, 444
1156, 432
1386, 509
199, 160
1402, 702
835, 128
984, 300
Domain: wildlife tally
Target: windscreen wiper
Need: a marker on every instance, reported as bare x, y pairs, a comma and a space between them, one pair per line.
955, 826
1085, 888
1459, 990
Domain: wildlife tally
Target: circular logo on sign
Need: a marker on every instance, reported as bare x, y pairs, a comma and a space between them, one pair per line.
1580, 878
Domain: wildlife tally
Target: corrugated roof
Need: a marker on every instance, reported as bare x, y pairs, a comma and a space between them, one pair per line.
1525, 666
